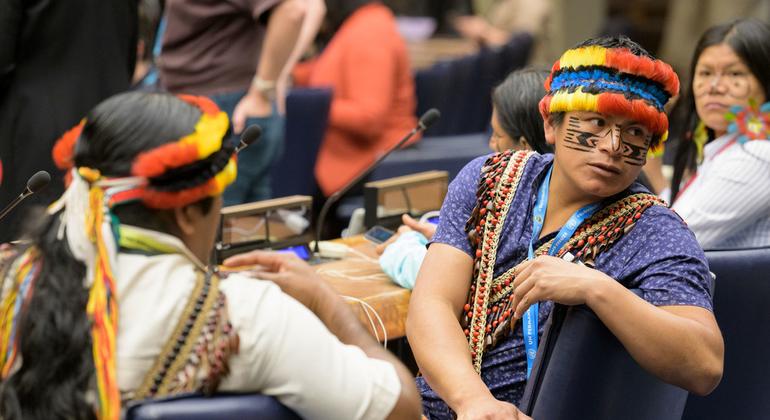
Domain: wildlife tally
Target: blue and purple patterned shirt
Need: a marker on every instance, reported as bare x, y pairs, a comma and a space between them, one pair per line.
659, 256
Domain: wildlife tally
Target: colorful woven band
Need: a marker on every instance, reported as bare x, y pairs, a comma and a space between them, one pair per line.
179, 173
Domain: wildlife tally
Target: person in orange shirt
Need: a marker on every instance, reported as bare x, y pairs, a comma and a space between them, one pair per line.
373, 106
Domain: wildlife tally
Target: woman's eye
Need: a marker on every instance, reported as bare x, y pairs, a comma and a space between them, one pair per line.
636, 132
704, 73
597, 122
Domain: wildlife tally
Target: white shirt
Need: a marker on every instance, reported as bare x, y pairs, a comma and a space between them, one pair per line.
727, 205
285, 351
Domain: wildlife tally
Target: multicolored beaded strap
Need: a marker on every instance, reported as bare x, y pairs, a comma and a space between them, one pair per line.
195, 357
499, 181
488, 311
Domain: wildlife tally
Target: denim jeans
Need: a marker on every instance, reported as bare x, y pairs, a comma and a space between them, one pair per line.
255, 161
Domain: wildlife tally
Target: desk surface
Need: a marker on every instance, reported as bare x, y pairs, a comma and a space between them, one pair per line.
359, 276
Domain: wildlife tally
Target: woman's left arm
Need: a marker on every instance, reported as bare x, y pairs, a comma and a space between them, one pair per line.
680, 344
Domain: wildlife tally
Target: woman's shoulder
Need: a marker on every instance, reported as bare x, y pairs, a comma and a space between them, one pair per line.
663, 229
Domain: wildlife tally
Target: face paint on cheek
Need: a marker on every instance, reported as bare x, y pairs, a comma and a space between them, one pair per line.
576, 139
635, 155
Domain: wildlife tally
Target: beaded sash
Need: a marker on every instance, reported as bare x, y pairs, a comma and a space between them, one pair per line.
195, 357
487, 314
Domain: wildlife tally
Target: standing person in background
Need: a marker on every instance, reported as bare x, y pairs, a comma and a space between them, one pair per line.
720, 182
57, 60
239, 54
496, 20
364, 60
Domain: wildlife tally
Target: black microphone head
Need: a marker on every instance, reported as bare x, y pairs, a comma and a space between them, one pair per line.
251, 134
38, 181
429, 118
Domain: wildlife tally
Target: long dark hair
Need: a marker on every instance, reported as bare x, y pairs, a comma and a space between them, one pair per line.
516, 100
55, 379
750, 40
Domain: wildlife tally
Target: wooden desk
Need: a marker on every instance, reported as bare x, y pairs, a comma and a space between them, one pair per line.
424, 53
359, 276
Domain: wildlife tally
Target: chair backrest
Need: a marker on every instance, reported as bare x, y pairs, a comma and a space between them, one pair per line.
431, 91
582, 371
494, 66
461, 88
223, 407
307, 113
741, 297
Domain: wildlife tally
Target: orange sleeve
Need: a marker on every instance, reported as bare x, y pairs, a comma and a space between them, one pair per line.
370, 69
302, 71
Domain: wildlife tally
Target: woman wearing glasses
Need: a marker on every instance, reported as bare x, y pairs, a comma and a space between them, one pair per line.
721, 173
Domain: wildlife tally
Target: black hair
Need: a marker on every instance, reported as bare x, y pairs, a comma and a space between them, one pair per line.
517, 101
616, 42
750, 40
56, 375
337, 12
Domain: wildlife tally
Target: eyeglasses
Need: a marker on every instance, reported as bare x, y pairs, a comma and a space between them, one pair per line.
734, 82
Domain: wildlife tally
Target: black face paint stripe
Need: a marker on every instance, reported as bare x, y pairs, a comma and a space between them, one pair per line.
579, 149
632, 151
582, 138
635, 163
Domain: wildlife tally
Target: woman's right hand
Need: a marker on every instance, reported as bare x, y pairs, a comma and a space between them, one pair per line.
489, 408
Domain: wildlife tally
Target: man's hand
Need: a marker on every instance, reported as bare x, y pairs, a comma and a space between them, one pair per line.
551, 278
295, 277
489, 408
253, 104
471, 27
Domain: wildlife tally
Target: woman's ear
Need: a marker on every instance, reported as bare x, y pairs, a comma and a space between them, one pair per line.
524, 144
550, 131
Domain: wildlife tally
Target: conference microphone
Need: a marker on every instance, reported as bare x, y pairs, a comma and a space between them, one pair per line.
250, 136
428, 118
35, 183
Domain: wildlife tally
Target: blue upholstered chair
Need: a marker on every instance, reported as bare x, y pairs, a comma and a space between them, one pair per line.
461, 88
307, 114
583, 372
431, 92
223, 407
741, 300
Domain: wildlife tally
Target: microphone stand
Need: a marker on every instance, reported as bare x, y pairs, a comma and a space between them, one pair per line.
15, 203
425, 121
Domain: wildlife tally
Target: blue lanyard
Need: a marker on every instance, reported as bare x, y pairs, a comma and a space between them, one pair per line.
530, 318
